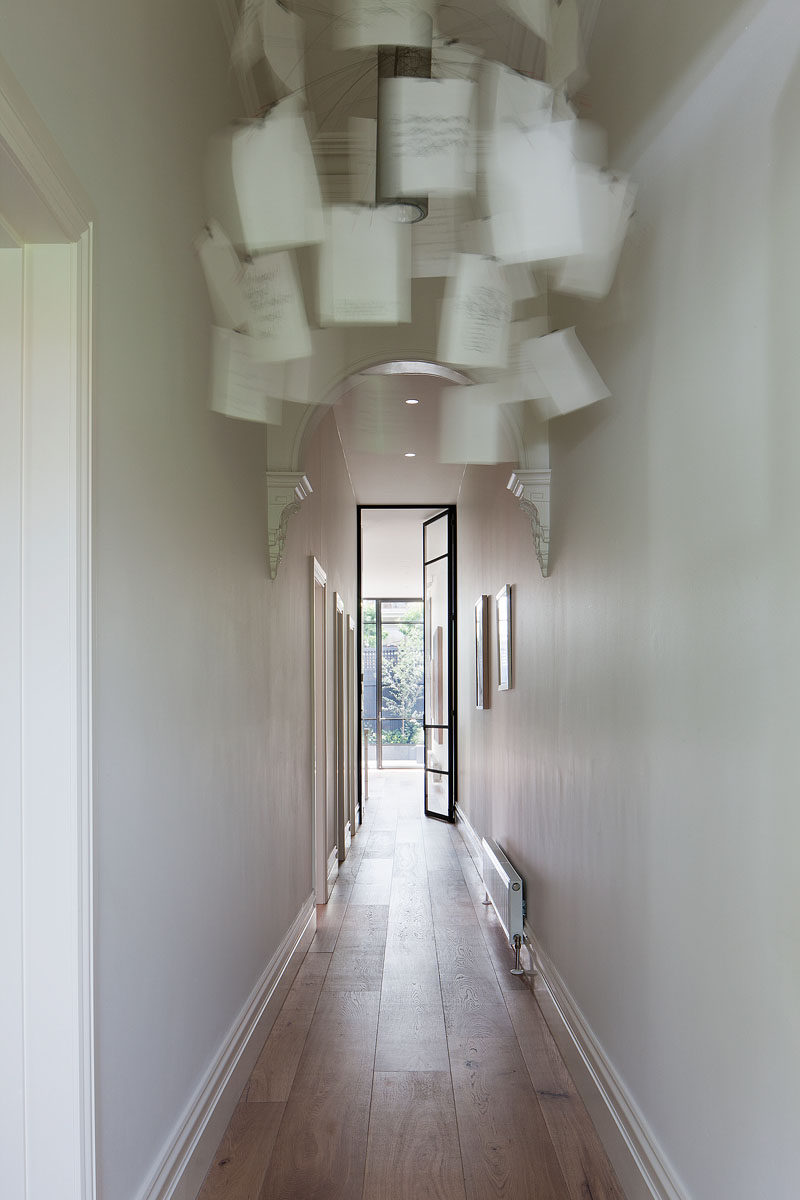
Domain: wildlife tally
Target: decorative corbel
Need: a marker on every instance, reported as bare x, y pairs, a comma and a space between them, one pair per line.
286, 491
532, 489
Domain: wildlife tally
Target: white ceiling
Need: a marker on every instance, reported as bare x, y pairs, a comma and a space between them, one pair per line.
377, 428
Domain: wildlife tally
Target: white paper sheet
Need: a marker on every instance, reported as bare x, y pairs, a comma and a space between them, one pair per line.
283, 40
239, 387
278, 321
364, 269
521, 283
363, 23
532, 193
434, 241
607, 203
427, 136
570, 376
224, 276
508, 98
475, 237
535, 14
518, 381
262, 185
476, 315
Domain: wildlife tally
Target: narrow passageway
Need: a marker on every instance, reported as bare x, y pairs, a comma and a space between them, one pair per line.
407, 1062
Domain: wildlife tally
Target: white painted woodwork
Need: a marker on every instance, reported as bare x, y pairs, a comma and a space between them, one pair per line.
46, 1102
319, 725
12, 1125
340, 745
532, 489
352, 727
286, 490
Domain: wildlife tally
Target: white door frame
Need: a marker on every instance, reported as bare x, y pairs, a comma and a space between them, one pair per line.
47, 1128
319, 723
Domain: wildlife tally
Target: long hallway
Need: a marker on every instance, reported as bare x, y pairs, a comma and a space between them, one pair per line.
407, 1062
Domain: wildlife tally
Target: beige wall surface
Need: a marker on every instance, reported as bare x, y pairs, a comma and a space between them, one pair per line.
201, 671
643, 772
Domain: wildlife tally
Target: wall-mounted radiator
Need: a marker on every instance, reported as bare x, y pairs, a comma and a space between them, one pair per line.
504, 891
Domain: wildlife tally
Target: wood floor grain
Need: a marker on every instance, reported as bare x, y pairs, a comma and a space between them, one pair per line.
505, 1146
411, 1031
240, 1163
413, 1151
274, 1072
406, 1062
584, 1164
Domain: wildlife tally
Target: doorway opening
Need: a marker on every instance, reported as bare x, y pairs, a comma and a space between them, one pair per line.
406, 651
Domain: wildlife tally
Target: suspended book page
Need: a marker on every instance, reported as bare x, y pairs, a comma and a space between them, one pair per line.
518, 381
241, 387
434, 241
451, 59
607, 202
427, 136
224, 276
570, 376
531, 187
475, 237
283, 41
364, 268
363, 137
262, 184
476, 314
363, 23
534, 14
472, 428
508, 98
565, 59
277, 314
521, 283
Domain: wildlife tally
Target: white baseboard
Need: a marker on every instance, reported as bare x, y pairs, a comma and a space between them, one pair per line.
333, 867
191, 1148
637, 1158
471, 839
640, 1164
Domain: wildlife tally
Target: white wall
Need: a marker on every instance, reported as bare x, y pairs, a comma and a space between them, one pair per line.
643, 772
201, 706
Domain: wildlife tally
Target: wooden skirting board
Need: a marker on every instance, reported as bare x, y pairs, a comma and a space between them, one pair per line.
188, 1153
634, 1152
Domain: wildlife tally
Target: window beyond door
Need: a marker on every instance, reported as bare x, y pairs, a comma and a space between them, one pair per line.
393, 689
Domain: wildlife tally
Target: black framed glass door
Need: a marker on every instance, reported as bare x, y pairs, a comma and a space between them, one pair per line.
438, 555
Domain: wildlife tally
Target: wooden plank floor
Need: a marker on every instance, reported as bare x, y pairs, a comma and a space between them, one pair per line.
407, 1063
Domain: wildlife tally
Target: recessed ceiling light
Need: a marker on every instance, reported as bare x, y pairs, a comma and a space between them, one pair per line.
410, 454
412, 400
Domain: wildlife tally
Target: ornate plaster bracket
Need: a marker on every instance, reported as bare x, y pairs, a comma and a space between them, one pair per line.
286, 490
532, 489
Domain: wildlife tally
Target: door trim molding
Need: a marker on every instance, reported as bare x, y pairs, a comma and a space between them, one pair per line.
44, 205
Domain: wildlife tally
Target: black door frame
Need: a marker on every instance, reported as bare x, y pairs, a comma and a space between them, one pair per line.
435, 508
449, 511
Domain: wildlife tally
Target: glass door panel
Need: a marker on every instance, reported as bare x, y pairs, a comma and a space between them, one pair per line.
369, 679
401, 683
439, 643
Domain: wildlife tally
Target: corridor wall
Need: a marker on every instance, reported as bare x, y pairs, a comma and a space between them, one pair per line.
201, 717
642, 772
